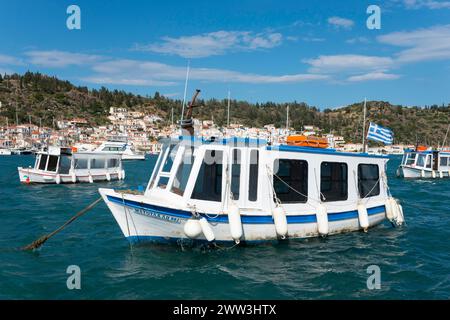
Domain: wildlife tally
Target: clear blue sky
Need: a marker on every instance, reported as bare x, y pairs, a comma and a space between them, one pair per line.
320, 52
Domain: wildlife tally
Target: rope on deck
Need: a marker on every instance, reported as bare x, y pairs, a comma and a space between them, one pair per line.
39, 242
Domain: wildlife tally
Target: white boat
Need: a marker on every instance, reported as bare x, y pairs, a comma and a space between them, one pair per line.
5, 152
244, 190
424, 164
306, 191
121, 146
61, 165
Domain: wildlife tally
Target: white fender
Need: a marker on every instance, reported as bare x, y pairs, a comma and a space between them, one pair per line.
363, 216
108, 176
58, 179
91, 180
389, 209
123, 174
433, 174
192, 228
422, 173
235, 223
322, 220
74, 177
395, 208
119, 175
280, 221
206, 229
441, 174
400, 218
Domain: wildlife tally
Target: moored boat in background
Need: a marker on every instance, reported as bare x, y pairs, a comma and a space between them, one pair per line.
62, 165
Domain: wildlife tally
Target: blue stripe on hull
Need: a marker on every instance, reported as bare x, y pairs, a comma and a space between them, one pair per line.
257, 219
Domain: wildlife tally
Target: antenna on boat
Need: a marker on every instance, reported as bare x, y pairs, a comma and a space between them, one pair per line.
364, 126
185, 89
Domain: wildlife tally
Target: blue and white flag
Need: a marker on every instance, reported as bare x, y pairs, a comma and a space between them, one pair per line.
380, 134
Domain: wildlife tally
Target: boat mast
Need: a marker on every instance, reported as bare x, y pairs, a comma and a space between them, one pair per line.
364, 127
287, 119
185, 90
445, 139
228, 116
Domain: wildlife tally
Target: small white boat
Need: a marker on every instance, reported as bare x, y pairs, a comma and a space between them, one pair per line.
61, 165
244, 190
417, 164
120, 145
5, 152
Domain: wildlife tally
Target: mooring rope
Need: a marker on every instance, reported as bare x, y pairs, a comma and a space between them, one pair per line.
39, 242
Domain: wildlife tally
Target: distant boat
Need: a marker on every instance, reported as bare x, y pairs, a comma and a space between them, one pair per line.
5, 152
424, 163
62, 165
120, 145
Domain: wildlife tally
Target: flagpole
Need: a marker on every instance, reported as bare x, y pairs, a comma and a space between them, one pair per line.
364, 127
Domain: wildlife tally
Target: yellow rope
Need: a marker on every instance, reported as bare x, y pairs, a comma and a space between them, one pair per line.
39, 242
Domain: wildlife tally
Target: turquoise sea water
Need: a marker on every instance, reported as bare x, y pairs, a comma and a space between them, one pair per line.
414, 260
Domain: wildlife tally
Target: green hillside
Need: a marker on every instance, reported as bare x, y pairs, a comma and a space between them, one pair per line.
48, 98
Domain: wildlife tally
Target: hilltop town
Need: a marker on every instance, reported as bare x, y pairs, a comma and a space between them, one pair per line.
37, 110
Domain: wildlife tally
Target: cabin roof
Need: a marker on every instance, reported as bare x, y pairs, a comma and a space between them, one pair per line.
217, 141
287, 148
249, 142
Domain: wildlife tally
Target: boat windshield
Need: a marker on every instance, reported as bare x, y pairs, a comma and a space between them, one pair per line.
183, 171
410, 159
421, 160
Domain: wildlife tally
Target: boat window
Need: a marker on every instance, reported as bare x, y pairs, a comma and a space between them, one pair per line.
429, 161
290, 180
170, 157
444, 162
368, 180
421, 160
64, 164
163, 182
158, 165
333, 181
411, 159
253, 176
183, 172
97, 163
209, 180
52, 163
113, 163
43, 162
81, 163
235, 173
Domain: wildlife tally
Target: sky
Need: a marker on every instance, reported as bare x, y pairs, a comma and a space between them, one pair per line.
318, 52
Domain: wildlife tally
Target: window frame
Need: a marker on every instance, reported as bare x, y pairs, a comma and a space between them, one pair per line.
334, 199
195, 173
304, 182
369, 195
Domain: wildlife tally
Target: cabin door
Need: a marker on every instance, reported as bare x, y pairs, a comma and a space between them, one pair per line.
244, 177
435, 160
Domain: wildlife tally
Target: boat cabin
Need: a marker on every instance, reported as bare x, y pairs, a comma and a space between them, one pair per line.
62, 160
64, 165
207, 174
425, 164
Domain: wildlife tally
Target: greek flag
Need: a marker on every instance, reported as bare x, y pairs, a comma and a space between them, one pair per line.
380, 134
